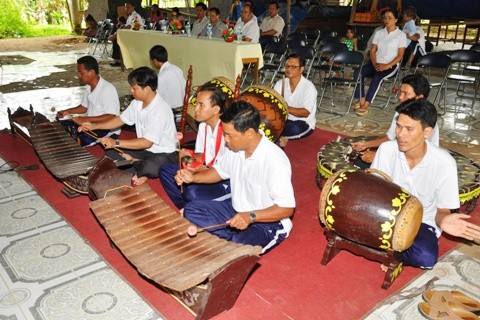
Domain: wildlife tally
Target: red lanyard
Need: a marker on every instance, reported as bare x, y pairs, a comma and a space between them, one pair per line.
218, 141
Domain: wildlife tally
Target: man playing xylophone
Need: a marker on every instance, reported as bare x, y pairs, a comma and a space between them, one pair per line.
260, 176
156, 142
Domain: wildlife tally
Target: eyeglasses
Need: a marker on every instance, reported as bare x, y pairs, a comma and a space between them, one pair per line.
291, 67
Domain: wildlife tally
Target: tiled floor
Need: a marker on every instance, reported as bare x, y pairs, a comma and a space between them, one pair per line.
47, 271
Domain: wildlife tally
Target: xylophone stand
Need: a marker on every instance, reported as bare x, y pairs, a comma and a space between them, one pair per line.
387, 258
220, 291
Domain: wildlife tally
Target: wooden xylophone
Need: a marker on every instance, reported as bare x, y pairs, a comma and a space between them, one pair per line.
205, 273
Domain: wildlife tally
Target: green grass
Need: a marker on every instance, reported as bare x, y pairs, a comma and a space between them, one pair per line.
48, 30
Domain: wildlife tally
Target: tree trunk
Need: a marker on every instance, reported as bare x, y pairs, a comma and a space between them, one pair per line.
75, 16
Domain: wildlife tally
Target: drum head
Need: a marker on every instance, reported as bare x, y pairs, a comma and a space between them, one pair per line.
272, 108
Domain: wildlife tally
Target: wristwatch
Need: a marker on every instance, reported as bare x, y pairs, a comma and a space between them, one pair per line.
117, 143
253, 217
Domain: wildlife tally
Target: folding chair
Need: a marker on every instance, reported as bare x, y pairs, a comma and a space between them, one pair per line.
322, 61
342, 60
308, 53
274, 59
313, 36
102, 40
440, 62
468, 61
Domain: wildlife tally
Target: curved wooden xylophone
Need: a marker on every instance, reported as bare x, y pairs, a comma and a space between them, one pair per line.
205, 273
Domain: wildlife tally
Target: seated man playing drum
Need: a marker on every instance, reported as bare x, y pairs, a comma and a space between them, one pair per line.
301, 97
156, 142
209, 147
262, 201
100, 103
430, 174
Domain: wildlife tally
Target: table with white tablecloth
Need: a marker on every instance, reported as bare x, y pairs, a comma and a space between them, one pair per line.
209, 57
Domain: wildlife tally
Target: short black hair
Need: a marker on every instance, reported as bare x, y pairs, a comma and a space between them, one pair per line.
217, 96
301, 59
201, 4
421, 110
274, 2
143, 77
89, 62
243, 115
419, 83
159, 53
214, 9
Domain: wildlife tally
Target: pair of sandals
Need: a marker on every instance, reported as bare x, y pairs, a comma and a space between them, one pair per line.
358, 110
449, 305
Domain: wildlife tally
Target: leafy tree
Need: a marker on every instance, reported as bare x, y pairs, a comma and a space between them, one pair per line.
12, 24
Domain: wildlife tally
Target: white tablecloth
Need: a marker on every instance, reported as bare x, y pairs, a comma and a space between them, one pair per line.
209, 58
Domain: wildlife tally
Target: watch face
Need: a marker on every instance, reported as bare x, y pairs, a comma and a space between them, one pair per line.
253, 216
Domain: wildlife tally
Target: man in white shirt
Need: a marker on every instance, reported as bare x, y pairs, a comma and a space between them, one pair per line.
260, 177
155, 143
300, 95
273, 24
100, 102
133, 17
250, 29
202, 20
430, 174
209, 147
171, 83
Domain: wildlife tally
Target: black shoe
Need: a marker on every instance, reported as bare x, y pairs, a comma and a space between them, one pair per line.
116, 64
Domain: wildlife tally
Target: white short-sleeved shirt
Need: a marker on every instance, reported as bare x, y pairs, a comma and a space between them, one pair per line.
102, 100
171, 84
410, 28
210, 141
434, 138
388, 44
198, 26
260, 181
251, 30
275, 23
304, 96
134, 16
154, 123
433, 181
421, 40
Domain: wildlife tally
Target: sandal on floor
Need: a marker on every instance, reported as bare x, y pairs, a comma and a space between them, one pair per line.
454, 296
361, 112
356, 105
445, 311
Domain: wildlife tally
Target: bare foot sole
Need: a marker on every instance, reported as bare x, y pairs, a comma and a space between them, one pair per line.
282, 141
138, 181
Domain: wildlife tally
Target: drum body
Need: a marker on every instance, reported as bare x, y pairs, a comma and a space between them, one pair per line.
368, 209
272, 108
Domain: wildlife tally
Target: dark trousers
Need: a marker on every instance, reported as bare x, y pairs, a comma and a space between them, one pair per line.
424, 250
205, 213
149, 163
193, 191
368, 70
296, 129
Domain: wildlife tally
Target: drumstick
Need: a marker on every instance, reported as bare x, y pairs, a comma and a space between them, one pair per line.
179, 137
192, 230
283, 87
95, 136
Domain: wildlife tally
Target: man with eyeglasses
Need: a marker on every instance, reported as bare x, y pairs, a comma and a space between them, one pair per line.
300, 95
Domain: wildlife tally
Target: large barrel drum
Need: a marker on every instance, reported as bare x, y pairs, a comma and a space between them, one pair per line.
371, 210
272, 108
